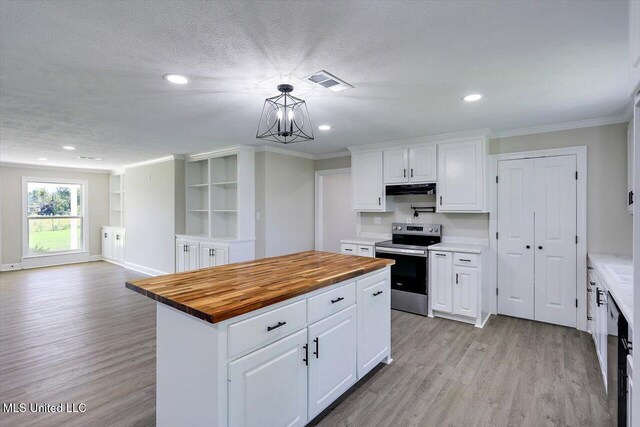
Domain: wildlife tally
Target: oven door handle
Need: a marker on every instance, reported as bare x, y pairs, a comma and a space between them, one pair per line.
401, 251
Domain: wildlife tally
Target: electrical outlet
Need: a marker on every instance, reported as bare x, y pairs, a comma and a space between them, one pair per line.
377, 220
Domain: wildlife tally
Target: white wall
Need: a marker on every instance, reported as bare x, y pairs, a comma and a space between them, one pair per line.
285, 201
609, 226
11, 205
154, 214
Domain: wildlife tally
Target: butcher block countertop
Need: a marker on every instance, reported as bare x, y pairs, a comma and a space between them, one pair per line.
219, 293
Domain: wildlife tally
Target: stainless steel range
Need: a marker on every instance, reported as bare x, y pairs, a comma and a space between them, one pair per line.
410, 274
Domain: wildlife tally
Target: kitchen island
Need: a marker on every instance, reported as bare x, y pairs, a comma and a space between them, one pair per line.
268, 342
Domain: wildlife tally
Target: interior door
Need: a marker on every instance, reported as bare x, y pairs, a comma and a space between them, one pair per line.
332, 358
395, 166
269, 386
516, 287
555, 234
422, 164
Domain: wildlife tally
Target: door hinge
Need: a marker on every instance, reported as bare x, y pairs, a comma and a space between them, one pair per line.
496, 235
576, 175
496, 179
496, 291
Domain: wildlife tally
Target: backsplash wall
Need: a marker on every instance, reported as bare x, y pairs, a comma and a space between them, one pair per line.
469, 225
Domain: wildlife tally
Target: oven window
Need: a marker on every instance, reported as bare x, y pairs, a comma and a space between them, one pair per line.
409, 272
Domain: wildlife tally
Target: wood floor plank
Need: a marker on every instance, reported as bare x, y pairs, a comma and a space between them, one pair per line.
75, 334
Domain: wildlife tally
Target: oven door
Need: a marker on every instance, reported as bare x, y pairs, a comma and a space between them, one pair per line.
409, 273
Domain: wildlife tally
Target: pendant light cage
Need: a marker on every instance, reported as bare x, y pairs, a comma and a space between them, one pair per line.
285, 118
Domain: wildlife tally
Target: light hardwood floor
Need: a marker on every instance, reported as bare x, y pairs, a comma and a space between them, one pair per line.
75, 334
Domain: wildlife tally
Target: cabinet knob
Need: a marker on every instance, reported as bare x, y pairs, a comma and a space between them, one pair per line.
540, 247
528, 247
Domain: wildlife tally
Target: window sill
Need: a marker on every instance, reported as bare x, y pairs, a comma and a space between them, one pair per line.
58, 258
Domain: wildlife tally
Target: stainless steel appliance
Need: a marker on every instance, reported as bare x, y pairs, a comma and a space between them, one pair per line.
618, 347
410, 274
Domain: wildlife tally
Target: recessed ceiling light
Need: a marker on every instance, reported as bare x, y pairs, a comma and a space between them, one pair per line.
324, 127
42, 159
472, 97
68, 147
176, 79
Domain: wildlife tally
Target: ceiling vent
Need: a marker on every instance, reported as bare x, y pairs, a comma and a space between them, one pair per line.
89, 158
328, 81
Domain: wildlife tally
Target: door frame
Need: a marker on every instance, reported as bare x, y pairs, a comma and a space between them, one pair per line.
319, 179
581, 219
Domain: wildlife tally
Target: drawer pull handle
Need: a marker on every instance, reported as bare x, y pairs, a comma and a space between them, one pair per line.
306, 354
441, 254
333, 301
271, 328
375, 294
465, 260
317, 352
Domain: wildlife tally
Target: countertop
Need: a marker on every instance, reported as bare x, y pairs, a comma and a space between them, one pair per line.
220, 293
458, 247
621, 292
363, 240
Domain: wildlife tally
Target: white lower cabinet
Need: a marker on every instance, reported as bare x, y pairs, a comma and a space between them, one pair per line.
113, 244
193, 252
211, 256
186, 256
374, 321
332, 359
269, 386
455, 286
355, 249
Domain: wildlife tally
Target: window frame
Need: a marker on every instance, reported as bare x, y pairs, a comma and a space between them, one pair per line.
25, 217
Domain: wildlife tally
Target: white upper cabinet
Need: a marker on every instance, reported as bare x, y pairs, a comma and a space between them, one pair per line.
396, 165
634, 42
367, 182
422, 164
461, 176
414, 165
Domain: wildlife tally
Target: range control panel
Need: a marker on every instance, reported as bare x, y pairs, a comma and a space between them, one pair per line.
419, 229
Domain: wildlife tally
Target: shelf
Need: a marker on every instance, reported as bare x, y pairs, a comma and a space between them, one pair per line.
223, 183
197, 185
224, 210
198, 210
117, 192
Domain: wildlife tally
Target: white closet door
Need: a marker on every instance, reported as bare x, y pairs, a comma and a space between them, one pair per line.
516, 238
555, 225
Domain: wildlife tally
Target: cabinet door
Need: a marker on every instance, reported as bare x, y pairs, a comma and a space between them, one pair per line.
192, 257
422, 164
219, 256
181, 257
119, 246
332, 358
269, 386
107, 243
630, 167
367, 182
207, 258
374, 321
440, 281
461, 176
365, 250
396, 165
465, 291
348, 249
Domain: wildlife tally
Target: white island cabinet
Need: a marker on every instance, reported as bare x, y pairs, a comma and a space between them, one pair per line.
279, 365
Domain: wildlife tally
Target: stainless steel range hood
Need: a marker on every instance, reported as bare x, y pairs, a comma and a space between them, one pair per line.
395, 190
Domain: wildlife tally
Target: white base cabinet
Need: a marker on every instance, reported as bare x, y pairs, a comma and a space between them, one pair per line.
113, 239
281, 365
457, 290
361, 250
194, 252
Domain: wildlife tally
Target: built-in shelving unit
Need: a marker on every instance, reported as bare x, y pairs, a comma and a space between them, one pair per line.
116, 200
220, 194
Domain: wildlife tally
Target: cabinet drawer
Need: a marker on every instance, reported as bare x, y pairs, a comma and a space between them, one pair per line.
365, 250
349, 249
467, 260
331, 302
261, 330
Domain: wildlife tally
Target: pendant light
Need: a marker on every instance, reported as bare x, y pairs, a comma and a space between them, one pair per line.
285, 118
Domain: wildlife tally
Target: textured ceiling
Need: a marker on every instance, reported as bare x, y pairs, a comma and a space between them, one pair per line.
88, 73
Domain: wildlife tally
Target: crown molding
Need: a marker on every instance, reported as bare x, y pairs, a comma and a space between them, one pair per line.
428, 139
334, 155
153, 161
285, 151
55, 168
556, 127
225, 151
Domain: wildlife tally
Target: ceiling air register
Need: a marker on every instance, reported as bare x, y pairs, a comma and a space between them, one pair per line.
285, 118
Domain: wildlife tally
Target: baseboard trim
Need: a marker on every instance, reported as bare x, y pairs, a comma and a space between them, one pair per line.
142, 269
53, 260
95, 258
11, 267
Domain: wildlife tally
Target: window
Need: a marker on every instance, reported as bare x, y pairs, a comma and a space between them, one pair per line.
55, 216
